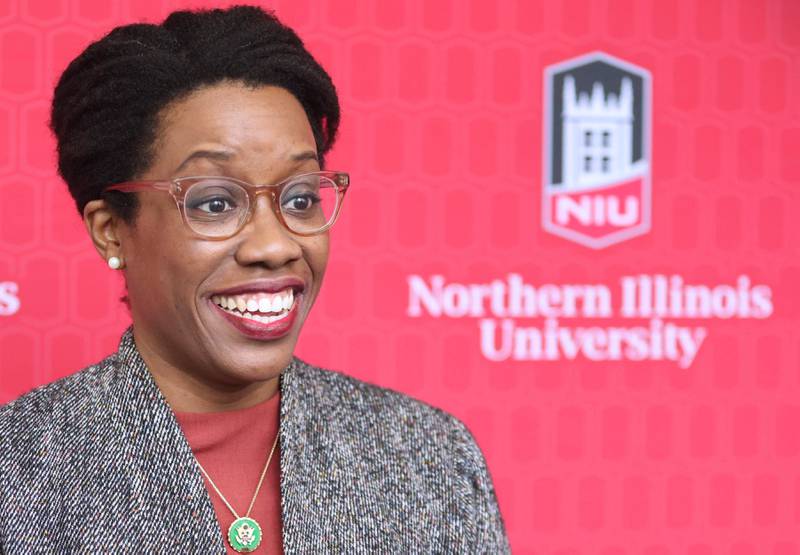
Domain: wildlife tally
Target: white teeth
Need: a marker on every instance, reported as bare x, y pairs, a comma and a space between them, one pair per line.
274, 318
263, 307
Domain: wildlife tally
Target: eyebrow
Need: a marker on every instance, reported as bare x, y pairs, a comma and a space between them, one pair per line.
303, 156
225, 155
218, 155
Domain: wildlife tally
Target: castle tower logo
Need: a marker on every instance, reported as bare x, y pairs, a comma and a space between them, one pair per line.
597, 158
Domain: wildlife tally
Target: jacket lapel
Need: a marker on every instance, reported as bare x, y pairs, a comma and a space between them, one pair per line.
169, 505
323, 487
300, 469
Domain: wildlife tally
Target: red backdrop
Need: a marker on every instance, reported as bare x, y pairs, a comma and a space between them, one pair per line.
631, 450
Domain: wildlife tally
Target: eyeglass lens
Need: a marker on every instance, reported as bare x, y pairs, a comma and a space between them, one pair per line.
216, 207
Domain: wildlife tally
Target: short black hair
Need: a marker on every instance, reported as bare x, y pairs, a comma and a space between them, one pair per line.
107, 102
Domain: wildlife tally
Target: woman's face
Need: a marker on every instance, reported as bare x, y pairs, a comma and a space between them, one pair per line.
177, 281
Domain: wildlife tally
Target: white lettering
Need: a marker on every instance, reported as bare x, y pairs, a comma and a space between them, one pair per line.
489, 346
567, 206
623, 219
455, 300
418, 291
723, 301
690, 341
658, 341
761, 295
597, 210
655, 298
9, 299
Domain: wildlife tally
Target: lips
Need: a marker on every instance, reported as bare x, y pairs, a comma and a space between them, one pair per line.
260, 330
264, 286
261, 309
258, 306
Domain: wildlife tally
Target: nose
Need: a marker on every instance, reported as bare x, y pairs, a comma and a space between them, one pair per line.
264, 240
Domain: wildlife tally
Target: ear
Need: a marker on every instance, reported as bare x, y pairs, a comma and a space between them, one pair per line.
103, 227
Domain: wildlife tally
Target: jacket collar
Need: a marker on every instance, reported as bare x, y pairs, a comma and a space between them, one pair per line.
164, 474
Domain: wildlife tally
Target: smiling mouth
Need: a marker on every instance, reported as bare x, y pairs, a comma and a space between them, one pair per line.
261, 307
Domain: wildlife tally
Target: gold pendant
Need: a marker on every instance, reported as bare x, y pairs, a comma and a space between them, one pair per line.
244, 534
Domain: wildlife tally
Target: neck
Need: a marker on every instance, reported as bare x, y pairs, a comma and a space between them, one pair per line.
192, 392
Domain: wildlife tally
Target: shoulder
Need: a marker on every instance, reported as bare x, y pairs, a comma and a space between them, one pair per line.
397, 421
336, 391
38, 414
49, 434
394, 443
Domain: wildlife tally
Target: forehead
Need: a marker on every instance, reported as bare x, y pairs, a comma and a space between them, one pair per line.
264, 121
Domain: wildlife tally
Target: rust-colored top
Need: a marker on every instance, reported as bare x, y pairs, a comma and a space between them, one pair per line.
233, 447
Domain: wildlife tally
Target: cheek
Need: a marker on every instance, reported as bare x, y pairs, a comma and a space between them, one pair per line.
154, 272
150, 249
317, 251
165, 266
165, 281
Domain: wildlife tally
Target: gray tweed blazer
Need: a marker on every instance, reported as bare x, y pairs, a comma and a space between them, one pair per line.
96, 463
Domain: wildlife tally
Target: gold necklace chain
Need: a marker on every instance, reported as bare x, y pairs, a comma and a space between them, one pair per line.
258, 487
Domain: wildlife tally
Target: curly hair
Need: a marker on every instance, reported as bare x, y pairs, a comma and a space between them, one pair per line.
106, 106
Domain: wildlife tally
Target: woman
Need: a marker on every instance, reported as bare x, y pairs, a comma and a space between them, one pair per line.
194, 150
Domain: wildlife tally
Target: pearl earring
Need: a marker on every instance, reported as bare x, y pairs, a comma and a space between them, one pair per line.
114, 263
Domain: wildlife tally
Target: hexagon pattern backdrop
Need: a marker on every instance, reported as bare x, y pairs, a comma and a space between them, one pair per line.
636, 398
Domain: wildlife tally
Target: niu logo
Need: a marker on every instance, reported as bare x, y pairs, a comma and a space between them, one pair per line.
596, 150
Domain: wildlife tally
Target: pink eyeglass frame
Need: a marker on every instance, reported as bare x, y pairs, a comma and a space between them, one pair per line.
179, 186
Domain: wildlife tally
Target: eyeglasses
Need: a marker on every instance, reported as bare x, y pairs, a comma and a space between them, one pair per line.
216, 207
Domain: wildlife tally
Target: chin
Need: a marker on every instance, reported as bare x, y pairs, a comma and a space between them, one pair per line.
260, 363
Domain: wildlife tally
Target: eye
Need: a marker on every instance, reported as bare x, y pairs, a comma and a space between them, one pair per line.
214, 205
301, 202
300, 196
213, 197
